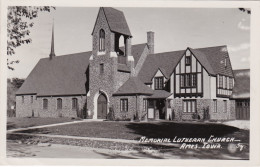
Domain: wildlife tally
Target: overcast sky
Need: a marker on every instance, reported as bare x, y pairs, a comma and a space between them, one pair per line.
175, 29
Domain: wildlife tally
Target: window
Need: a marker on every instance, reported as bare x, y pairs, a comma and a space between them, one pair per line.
215, 105
225, 82
193, 80
101, 40
182, 80
230, 83
158, 83
188, 80
31, 99
45, 104
189, 106
74, 103
187, 60
59, 103
220, 81
144, 105
101, 68
225, 62
22, 99
124, 105
225, 106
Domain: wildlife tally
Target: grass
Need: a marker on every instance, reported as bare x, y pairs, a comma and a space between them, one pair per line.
13, 123
132, 130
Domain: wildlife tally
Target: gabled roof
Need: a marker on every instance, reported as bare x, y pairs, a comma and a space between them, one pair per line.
61, 75
215, 56
241, 88
116, 20
160, 94
211, 58
133, 86
202, 58
136, 50
166, 61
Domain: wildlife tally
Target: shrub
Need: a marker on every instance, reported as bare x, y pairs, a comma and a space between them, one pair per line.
111, 114
206, 115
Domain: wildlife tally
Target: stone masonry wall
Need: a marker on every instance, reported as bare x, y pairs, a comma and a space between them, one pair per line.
27, 108
202, 104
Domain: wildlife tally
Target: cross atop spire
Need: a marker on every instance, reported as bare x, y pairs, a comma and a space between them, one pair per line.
52, 54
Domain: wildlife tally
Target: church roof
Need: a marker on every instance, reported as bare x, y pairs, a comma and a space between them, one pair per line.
61, 75
134, 86
211, 58
166, 61
241, 88
116, 21
136, 51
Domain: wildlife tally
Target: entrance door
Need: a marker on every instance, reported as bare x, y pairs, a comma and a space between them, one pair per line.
102, 107
161, 107
243, 109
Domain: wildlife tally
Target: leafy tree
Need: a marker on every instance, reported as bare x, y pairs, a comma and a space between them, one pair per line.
19, 21
248, 11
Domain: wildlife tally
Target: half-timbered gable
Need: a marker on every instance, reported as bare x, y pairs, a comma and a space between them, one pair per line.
188, 76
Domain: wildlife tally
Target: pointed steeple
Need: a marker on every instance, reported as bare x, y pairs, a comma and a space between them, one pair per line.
52, 54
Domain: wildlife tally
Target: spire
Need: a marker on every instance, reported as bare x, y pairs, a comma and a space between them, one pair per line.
52, 54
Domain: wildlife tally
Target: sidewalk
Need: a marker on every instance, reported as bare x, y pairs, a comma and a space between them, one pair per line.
50, 125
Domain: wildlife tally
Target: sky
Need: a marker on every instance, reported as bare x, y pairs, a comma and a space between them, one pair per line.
175, 29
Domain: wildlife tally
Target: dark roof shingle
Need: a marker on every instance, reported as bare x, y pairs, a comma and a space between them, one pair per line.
133, 86
61, 75
241, 88
116, 21
166, 61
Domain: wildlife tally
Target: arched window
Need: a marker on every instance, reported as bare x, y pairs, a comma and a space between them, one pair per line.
74, 103
101, 40
45, 103
59, 103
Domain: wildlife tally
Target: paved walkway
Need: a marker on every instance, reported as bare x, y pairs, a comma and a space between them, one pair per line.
50, 125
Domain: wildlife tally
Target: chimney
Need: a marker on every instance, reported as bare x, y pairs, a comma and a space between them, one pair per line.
52, 54
150, 41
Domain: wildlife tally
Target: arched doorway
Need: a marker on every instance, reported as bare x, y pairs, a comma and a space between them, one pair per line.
102, 107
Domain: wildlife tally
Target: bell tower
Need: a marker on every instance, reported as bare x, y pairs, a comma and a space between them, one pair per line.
110, 64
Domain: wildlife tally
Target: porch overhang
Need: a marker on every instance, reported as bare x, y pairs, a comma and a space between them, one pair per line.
160, 94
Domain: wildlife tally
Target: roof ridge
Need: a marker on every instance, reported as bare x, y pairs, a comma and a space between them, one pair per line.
209, 47
71, 54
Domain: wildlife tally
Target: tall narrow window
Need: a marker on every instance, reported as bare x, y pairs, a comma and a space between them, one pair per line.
220, 81
144, 105
124, 105
225, 106
193, 80
215, 105
187, 80
74, 103
230, 83
188, 60
101, 68
45, 104
101, 40
182, 80
158, 83
31, 99
59, 103
22, 99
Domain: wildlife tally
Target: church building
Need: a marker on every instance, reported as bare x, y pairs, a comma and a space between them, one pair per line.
129, 82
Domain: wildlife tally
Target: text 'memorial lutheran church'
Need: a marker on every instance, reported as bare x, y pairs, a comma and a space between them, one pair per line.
133, 82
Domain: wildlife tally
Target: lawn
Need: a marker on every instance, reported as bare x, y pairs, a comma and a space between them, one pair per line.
133, 131
13, 123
